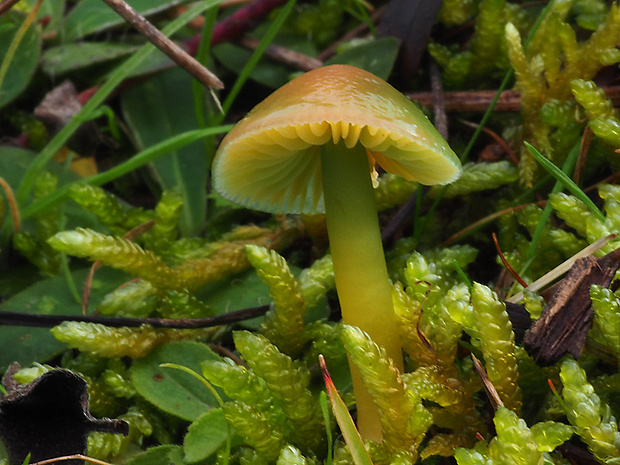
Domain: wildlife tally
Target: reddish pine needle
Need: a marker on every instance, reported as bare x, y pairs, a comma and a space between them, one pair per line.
514, 274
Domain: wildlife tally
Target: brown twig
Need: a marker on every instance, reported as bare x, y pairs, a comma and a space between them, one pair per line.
492, 394
479, 101
49, 321
586, 140
497, 138
472, 101
283, 55
176, 53
439, 102
6, 5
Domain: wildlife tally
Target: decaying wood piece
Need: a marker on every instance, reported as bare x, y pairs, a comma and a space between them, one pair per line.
478, 101
564, 324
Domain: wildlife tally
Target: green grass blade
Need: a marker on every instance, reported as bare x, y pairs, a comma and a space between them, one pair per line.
487, 114
347, 426
569, 163
274, 28
100, 96
564, 180
6, 61
138, 160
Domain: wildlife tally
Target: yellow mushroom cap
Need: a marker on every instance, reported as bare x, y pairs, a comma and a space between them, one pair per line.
271, 160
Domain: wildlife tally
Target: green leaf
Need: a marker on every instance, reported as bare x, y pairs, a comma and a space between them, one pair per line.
205, 436
159, 455
91, 16
161, 108
377, 57
70, 57
241, 291
174, 391
352, 437
129, 165
98, 98
567, 182
267, 72
48, 297
24, 62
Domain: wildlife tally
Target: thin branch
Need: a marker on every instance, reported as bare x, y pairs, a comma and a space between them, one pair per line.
49, 321
283, 55
492, 394
586, 140
176, 53
6, 5
479, 101
439, 101
498, 139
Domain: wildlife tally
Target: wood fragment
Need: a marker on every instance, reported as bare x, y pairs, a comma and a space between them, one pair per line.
479, 101
564, 324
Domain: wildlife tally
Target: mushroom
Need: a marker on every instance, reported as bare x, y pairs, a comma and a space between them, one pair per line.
311, 147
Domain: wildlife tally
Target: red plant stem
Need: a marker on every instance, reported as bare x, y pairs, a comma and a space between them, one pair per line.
510, 269
237, 24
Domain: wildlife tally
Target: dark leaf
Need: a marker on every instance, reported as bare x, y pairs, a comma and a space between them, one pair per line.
49, 417
377, 56
411, 22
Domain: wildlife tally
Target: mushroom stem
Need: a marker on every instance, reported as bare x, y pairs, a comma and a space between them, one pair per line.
361, 274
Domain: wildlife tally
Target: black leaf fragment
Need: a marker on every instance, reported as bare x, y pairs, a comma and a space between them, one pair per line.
49, 417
